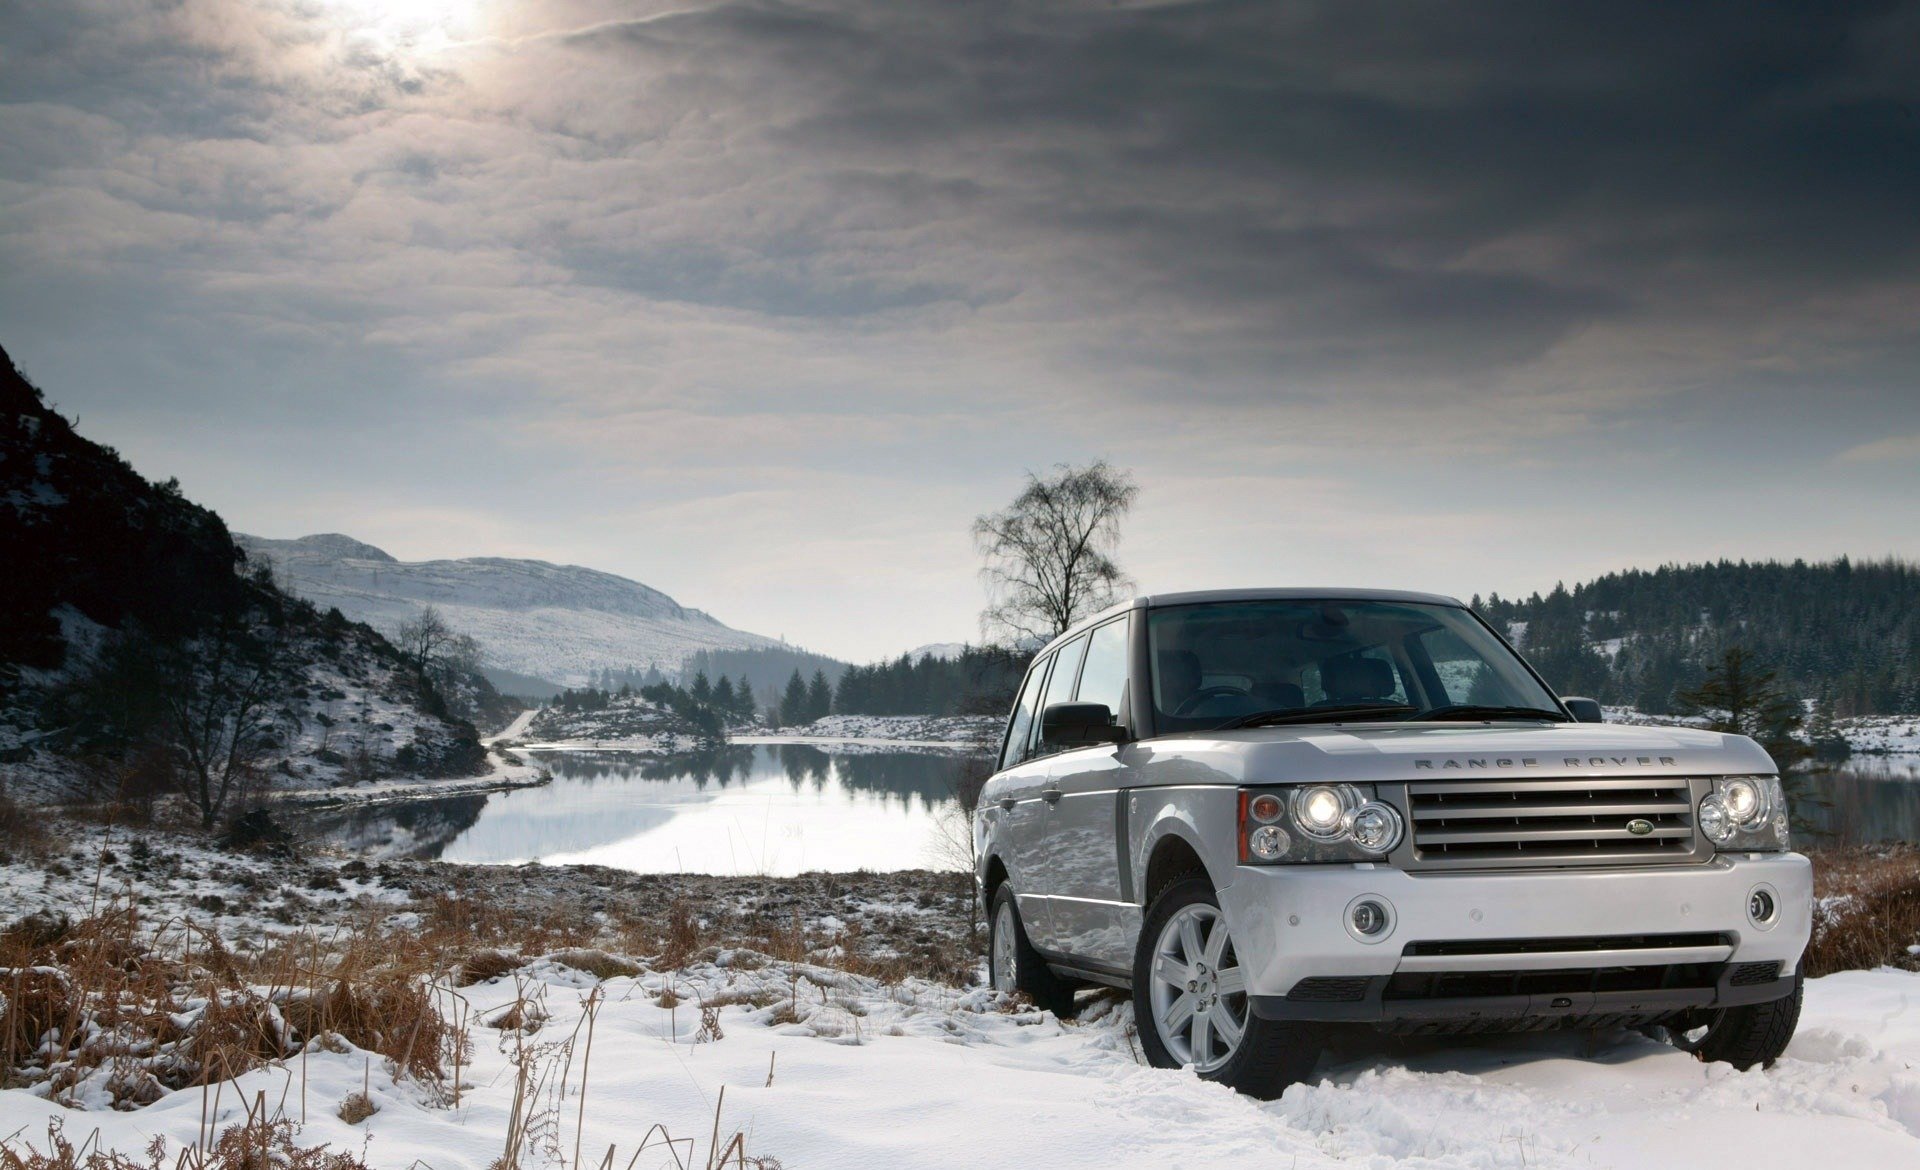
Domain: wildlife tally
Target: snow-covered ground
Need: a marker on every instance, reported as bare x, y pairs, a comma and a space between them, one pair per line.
824, 1069
1888, 734
1867, 734
963, 732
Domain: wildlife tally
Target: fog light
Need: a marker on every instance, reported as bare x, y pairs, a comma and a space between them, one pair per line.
1369, 918
1761, 907
1268, 843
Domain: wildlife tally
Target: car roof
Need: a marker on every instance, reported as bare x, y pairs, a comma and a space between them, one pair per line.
1289, 593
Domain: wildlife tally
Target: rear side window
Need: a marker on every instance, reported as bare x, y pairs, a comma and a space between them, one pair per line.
1104, 678
1066, 668
1020, 725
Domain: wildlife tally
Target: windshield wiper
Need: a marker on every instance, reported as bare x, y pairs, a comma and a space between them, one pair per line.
1314, 714
1480, 711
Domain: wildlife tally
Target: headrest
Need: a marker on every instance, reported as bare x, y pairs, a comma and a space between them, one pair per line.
1352, 677
1280, 695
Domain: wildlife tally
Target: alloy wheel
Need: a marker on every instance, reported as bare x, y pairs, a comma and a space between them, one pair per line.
1198, 991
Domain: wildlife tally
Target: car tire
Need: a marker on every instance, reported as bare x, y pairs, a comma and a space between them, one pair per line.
1756, 1033
1270, 1054
1029, 973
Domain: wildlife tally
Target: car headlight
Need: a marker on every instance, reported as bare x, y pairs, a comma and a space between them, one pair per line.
1321, 811
1745, 814
1316, 822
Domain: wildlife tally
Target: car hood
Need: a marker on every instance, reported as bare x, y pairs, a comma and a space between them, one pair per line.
1366, 753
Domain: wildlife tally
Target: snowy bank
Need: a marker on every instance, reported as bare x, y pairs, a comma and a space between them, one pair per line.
820, 1068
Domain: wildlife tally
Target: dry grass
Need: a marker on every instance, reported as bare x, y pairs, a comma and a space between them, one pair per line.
357, 1108
1867, 909
596, 963
485, 964
142, 1010
257, 1144
24, 832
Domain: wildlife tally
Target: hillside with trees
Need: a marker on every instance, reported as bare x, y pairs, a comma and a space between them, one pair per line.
143, 658
1844, 634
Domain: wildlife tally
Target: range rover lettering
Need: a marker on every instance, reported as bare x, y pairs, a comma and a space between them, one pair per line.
1269, 813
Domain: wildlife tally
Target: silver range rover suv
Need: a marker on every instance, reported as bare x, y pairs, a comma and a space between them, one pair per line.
1273, 812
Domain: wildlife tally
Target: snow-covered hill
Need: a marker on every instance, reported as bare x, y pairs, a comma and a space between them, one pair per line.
556, 622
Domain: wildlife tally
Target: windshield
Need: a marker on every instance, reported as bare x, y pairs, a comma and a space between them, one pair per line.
1244, 662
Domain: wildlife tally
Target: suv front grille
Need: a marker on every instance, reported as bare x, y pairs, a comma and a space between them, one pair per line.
1576, 821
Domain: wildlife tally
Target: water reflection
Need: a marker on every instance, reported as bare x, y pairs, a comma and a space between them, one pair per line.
762, 809
1873, 799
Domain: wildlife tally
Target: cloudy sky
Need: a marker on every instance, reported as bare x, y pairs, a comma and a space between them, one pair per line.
761, 302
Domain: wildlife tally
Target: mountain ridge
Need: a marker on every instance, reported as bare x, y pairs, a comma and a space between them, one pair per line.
552, 621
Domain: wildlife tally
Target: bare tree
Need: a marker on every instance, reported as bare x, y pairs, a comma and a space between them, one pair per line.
223, 716
1049, 555
424, 639
955, 844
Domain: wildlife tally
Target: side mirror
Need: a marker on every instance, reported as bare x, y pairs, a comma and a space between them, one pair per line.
1079, 724
1584, 710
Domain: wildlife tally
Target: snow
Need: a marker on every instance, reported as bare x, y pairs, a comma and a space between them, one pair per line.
943, 651
916, 1074
1868, 735
558, 622
1883, 734
953, 732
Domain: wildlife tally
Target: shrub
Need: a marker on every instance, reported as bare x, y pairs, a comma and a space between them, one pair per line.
1867, 909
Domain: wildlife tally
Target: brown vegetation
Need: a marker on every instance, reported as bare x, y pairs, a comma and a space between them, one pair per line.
1867, 909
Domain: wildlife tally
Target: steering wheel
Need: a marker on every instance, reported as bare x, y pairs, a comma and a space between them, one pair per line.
1204, 693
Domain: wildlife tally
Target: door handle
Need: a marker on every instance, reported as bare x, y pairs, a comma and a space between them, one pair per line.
1007, 803
1050, 795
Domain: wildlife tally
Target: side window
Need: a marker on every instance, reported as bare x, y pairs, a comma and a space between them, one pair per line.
1066, 668
1104, 678
1020, 725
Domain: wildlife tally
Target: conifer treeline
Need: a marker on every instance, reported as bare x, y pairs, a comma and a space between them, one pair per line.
979, 681
1843, 633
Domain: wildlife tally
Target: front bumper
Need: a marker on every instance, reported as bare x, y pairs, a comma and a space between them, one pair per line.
1632, 943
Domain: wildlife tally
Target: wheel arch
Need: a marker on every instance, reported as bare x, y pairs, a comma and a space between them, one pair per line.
1172, 854
993, 876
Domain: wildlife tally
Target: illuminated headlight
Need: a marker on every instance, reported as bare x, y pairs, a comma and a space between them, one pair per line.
1374, 827
1746, 804
1745, 813
1321, 811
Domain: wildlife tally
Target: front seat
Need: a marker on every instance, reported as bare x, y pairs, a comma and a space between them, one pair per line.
1356, 679
1179, 677
1279, 696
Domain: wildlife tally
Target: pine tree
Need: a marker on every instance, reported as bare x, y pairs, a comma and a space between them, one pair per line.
793, 704
723, 700
819, 697
1740, 698
1823, 735
701, 691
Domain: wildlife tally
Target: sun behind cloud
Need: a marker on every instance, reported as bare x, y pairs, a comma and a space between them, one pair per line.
414, 24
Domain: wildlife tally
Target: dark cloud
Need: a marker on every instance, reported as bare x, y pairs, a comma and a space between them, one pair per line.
852, 234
